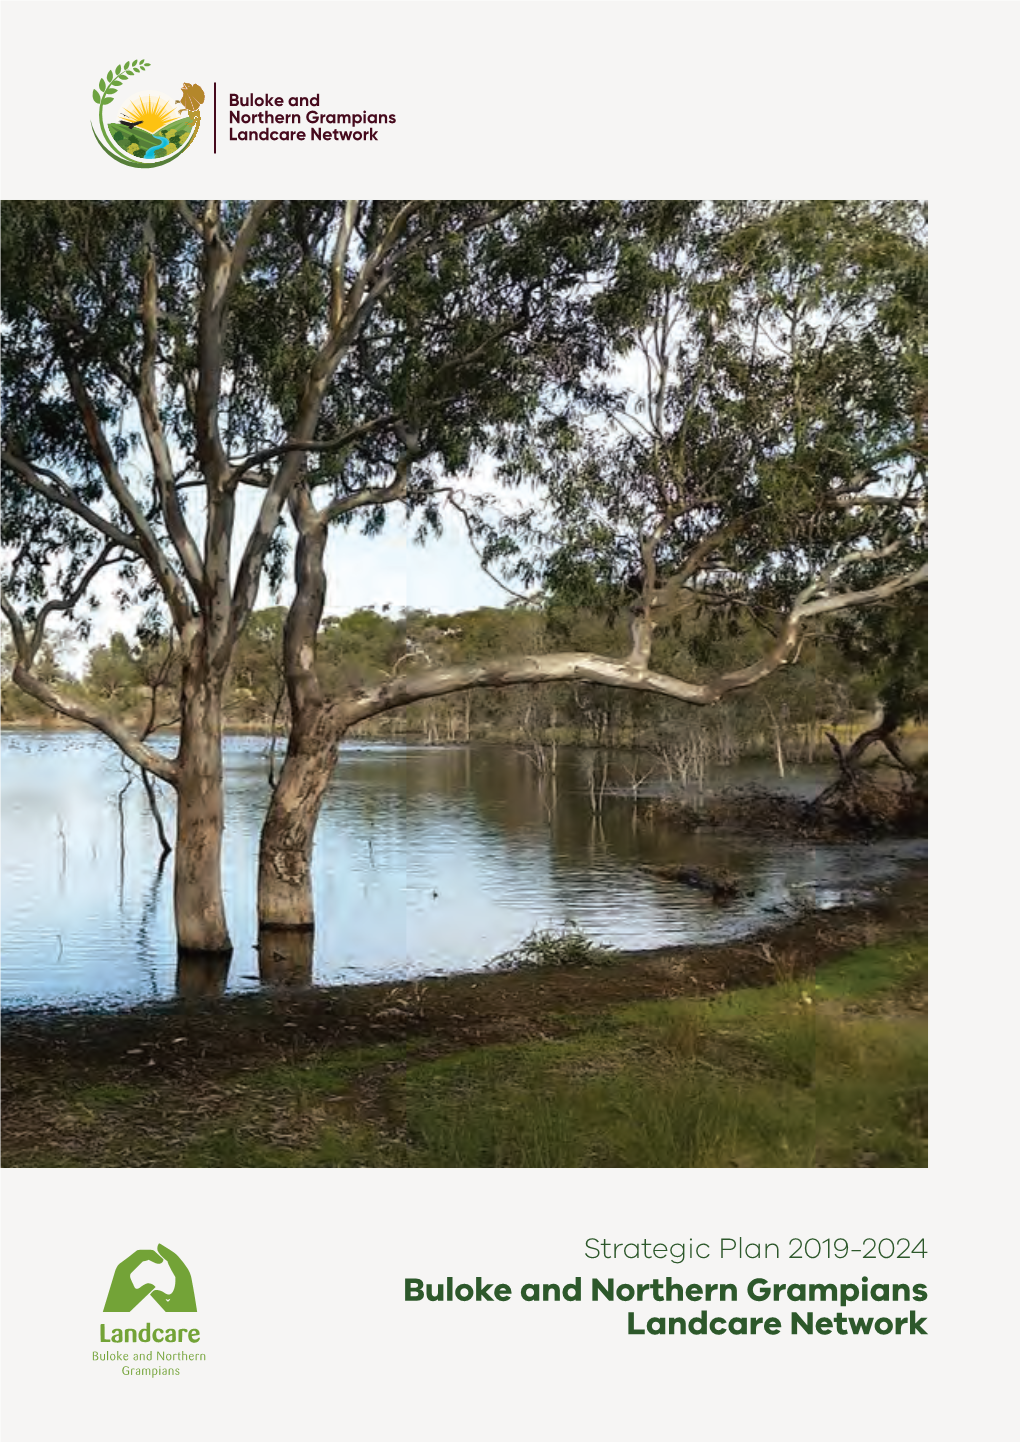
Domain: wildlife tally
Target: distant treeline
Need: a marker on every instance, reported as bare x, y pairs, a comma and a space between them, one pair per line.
788, 715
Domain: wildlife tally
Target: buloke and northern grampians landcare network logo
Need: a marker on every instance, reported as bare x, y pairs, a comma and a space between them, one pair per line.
149, 132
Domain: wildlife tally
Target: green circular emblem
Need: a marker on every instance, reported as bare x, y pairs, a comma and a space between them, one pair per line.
149, 131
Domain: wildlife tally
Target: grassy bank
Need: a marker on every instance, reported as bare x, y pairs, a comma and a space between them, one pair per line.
799, 1074
804, 1048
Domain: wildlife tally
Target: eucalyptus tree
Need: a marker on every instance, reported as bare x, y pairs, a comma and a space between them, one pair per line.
759, 449
160, 361
465, 355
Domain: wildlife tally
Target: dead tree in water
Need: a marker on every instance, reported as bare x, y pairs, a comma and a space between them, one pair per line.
856, 792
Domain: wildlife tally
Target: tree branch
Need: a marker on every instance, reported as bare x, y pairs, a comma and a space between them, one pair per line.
67, 603
606, 670
338, 264
321, 372
514, 671
239, 474
468, 519
148, 405
147, 546
59, 494
844, 600
190, 218
110, 726
257, 211
373, 495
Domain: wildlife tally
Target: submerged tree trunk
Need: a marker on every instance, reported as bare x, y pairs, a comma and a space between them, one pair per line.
198, 889
285, 848
288, 833
285, 956
860, 797
851, 759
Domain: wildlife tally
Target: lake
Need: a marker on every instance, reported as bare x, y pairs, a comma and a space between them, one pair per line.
429, 859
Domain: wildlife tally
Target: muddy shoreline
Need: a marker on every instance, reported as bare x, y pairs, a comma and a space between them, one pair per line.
184, 1039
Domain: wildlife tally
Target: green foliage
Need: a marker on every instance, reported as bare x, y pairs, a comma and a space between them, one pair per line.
132, 138
771, 385
566, 947
17, 706
888, 646
360, 648
108, 87
482, 314
112, 673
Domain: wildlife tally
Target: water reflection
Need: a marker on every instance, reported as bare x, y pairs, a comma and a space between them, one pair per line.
201, 974
285, 957
429, 859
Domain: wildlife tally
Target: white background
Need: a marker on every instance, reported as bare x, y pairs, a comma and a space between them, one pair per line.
299, 1275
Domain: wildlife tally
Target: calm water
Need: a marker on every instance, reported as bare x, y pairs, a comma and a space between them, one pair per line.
428, 860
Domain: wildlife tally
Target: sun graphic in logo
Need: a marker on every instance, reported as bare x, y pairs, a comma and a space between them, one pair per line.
151, 131
149, 113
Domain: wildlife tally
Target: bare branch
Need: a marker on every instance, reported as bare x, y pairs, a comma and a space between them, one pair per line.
565, 666
339, 263
843, 600
349, 313
79, 710
17, 629
257, 212
605, 670
850, 500
240, 475
469, 524
68, 603
370, 496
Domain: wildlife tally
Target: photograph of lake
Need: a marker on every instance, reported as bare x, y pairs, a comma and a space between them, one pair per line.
464, 685
430, 860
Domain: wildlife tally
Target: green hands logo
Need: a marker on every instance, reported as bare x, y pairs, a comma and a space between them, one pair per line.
124, 1296
149, 133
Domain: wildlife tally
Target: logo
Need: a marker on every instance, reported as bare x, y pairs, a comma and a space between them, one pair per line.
148, 132
124, 1296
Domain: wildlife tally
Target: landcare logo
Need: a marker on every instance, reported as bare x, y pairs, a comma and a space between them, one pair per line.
124, 1296
148, 133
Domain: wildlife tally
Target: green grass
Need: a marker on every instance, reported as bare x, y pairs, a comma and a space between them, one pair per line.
827, 1074
332, 1148
331, 1073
